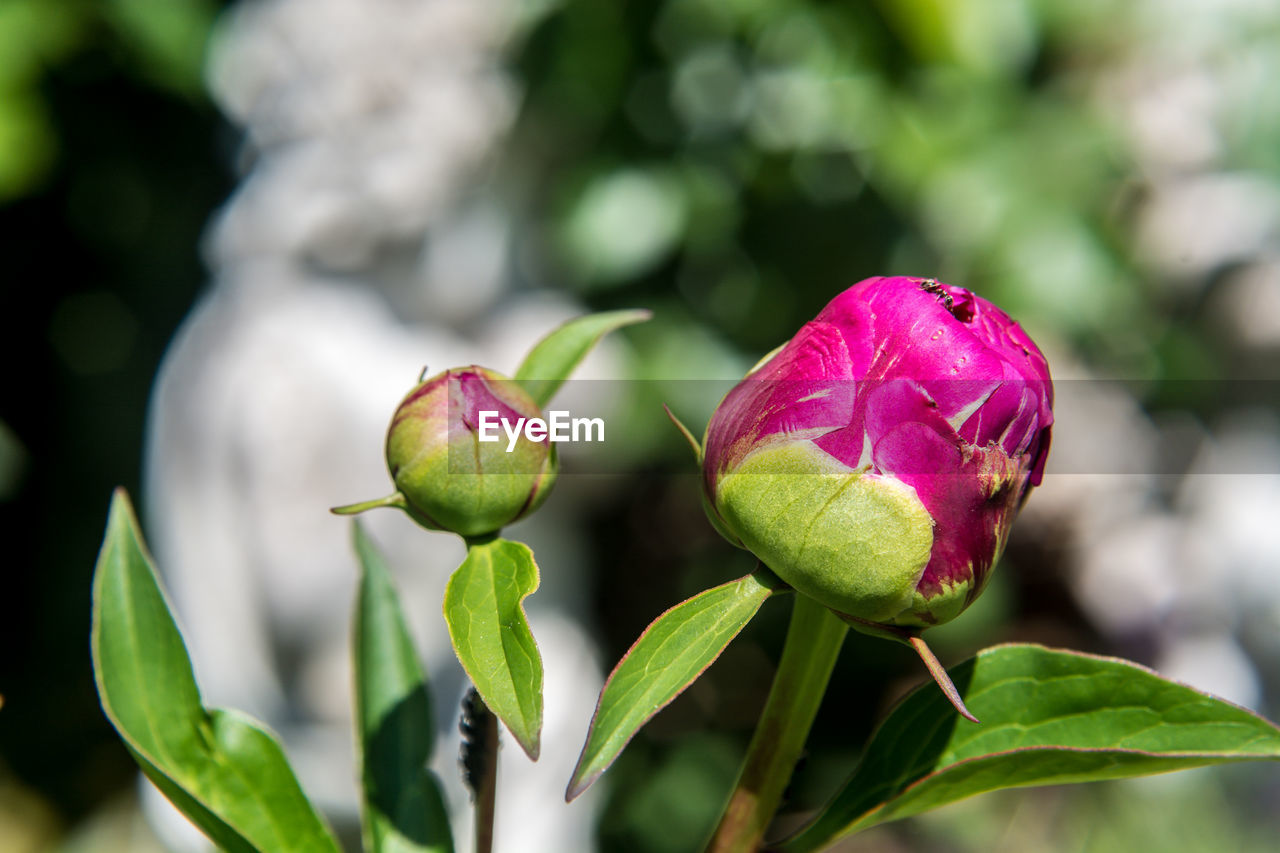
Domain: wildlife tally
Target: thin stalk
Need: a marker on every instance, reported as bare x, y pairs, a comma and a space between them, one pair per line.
813, 643
480, 764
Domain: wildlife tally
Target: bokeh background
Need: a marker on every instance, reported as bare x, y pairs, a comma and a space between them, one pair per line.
332, 193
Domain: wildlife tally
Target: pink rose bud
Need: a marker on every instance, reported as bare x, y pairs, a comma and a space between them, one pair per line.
877, 460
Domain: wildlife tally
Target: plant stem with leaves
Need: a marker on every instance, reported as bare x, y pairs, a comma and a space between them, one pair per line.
812, 646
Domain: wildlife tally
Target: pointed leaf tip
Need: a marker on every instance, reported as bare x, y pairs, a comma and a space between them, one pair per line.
939, 673
684, 430
395, 500
553, 358
669, 655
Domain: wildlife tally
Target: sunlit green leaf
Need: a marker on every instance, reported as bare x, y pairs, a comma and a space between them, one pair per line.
220, 768
483, 609
553, 358
1048, 717
673, 651
404, 810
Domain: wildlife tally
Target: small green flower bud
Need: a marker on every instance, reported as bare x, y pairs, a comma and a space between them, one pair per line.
446, 476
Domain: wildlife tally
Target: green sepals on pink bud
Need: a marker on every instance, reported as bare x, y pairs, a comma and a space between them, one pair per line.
876, 461
447, 478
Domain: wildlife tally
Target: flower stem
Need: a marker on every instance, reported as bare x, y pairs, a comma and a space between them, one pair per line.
813, 643
480, 764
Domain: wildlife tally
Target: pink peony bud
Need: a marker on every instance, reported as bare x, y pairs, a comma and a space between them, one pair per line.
454, 466
876, 461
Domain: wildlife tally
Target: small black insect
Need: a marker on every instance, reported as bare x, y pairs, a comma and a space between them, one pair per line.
479, 741
931, 285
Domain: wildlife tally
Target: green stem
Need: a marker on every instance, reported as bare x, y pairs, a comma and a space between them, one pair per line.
813, 643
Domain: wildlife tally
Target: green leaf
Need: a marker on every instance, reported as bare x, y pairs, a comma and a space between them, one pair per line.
553, 358
404, 810
1048, 717
673, 651
220, 768
484, 612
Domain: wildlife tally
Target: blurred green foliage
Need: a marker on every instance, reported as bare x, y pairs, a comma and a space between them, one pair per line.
754, 157
109, 168
162, 43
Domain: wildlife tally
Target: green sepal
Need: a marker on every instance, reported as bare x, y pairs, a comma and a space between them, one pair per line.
865, 541
694, 444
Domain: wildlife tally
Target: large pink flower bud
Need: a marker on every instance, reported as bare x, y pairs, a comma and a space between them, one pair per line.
876, 461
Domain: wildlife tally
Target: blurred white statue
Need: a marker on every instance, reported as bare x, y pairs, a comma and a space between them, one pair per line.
361, 247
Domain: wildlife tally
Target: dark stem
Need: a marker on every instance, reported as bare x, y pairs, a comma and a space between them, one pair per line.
813, 643
480, 764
